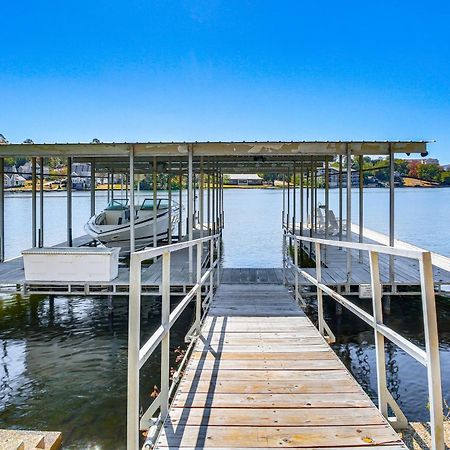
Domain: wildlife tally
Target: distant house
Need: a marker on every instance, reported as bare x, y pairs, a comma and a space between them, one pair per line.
423, 161
243, 179
13, 180
26, 170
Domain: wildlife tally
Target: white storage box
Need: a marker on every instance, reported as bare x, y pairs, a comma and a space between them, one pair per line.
81, 264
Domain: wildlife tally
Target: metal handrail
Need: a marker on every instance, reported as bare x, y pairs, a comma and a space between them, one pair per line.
429, 358
137, 355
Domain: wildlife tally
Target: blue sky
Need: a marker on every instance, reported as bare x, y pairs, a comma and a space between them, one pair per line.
225, 70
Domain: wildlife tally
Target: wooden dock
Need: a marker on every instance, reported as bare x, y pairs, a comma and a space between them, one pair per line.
405, 280
261, 376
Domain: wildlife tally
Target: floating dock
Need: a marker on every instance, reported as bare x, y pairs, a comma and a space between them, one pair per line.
261, 376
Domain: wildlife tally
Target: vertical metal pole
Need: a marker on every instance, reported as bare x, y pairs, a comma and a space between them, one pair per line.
190, 204
284, 202
327, 204
69, 202
180, 201
316, 198
295, 269
108, 185
93, 187
132, 212
213, 195
432, 350
112, 184
311, 176
134, 326
41, 202
165, 343
379, 338
201, 193
391, 214
209, 199
33, 202
294, 203
301, 210
349, 214
288, 215
169, 194
155, 203
361, 204
340, 199
198, 301
319, 291
2, 209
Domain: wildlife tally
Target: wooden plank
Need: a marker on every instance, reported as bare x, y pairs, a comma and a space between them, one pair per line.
267, 387
275, 417
265, 364
185, 399
286, 437
290, 376
305, 354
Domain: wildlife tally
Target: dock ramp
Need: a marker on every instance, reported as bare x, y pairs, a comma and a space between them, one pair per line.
262, 376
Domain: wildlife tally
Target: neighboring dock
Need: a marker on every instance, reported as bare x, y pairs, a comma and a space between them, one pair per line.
262, 376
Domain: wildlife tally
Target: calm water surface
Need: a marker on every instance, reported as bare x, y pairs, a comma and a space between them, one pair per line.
63, 362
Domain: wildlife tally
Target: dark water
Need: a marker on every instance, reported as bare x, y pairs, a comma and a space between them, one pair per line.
63, 363
63, 366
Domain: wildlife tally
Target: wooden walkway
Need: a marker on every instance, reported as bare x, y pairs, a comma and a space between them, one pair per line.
261, 376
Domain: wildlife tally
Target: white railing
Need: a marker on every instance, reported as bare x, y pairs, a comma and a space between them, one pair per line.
429, 358
137, 355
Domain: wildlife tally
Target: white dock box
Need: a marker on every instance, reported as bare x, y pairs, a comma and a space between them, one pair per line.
80, 264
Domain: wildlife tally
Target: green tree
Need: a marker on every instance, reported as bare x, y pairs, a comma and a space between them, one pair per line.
430, 172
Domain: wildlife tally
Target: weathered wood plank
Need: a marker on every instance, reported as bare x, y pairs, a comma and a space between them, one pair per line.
185, 399
286, 437
275, 417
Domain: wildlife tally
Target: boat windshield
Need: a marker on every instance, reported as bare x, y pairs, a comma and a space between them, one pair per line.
117, 205
160, 204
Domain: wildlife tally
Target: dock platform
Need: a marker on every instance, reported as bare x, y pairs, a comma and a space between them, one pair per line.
405, 279
261, 376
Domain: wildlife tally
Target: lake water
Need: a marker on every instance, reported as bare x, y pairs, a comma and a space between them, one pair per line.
63, 361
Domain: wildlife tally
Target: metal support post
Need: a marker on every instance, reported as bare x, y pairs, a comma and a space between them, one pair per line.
319, 291
33, 202
132, 212
69, 201
93, 187
340, 199
201, 194
169, 195
155, 203
133, 351
432, 351
41, 202
198, 301
361, 204
190, 204
349, 214
165, 343
391, 215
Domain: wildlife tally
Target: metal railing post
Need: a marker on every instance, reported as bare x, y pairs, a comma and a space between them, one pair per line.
198, 302
379, 338
133, 353
319, 291
211, 266
432, 351
165, 343
296, 265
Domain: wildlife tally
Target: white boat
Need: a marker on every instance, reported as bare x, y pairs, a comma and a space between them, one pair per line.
112, 226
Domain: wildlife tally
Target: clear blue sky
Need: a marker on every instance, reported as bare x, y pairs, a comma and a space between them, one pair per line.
225, 70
